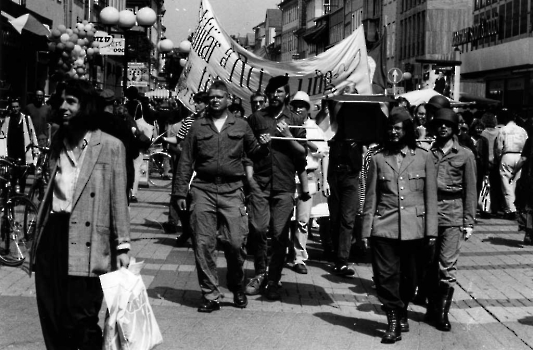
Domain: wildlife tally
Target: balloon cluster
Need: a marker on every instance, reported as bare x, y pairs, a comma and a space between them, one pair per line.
73, 48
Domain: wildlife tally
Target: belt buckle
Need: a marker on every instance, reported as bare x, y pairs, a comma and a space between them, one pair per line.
218, 180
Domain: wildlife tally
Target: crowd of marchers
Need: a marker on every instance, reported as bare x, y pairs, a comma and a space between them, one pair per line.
251, 185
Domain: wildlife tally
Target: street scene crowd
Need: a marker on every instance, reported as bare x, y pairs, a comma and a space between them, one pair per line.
252, 186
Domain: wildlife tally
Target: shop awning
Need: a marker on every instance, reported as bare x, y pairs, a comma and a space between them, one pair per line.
159, 93
31, 24
478, 100
314, 33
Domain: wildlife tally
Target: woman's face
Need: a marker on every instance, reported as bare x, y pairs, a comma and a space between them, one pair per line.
421, 115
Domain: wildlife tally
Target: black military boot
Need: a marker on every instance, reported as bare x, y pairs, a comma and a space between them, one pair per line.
404, 322
445, 302
393, 332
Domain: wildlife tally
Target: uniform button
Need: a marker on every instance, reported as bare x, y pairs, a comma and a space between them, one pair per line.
87, 224
401, 198
88, 244
92, 194
401, 178
401, 188
401, 208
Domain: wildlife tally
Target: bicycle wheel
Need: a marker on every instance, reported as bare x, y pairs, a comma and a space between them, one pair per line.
159, 171
22, 214
18, 230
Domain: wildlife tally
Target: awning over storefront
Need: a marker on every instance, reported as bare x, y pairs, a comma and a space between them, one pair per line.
159, 93
478, 100
315, 33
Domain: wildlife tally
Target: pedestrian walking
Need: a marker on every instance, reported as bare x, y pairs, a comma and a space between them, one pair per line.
83, 224
214, 148
273, 185
399, 218
457, 198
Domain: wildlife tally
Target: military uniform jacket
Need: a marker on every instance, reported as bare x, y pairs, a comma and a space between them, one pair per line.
401, 201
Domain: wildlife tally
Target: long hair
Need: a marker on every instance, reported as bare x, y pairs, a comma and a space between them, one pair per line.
88, 98
88, 115
409, 138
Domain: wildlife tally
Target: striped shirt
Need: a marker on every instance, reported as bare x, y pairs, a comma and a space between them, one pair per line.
364, 173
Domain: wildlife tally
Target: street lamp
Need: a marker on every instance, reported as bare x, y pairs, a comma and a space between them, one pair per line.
126, 19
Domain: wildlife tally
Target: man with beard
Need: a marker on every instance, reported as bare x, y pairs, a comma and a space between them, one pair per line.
399, 217
40, 114
456, 179
214, 149
273, 185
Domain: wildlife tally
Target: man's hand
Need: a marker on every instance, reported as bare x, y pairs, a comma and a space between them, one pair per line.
264, 139
283, 129
123, 260
365, 244
467, 232
325, 188
182, 204
431, 241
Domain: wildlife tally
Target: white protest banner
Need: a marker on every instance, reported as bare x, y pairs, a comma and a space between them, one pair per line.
214, 55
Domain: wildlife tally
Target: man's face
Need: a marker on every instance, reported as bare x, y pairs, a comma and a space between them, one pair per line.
421, 115
69, 108
15, 108
396, 132
39, 96
258, 102
218, 100
277, 98
300, 107
444, 130
199, 106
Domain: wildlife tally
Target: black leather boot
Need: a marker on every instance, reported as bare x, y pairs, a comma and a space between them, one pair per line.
443, 324
404, 322
393, 332
431, 310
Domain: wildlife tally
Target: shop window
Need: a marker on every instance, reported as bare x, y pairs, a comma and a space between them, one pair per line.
523, 16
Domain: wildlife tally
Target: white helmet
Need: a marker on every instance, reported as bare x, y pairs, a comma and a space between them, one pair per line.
302, 96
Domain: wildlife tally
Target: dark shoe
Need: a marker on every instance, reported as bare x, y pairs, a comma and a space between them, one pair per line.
182, 241
393, 332
272, 291
510, 216
170, 227
443, 324
209, 306
300, 268
240, 299
133, 199
431, 311
420, 297
343, 270
254, 286
404, 322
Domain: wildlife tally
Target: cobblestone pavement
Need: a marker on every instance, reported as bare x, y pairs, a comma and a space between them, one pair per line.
492, 309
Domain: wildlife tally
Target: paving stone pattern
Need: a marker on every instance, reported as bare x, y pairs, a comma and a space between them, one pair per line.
492, 308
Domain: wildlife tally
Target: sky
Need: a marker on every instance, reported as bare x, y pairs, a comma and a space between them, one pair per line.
236, 16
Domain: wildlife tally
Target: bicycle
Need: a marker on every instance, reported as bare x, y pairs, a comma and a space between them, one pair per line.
41, 177
19, 217
159, 166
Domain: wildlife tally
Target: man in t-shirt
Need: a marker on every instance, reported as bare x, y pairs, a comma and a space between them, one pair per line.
39, 113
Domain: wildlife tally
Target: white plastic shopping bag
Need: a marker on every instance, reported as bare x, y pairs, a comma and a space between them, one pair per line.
130, 323
484, 196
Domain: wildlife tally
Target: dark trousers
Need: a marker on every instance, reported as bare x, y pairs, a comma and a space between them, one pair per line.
68, 305
342, 204
219, 217
394, 264
270, 212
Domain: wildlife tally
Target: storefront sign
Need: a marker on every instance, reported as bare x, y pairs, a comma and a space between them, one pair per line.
137, 74
482, 30
115, 49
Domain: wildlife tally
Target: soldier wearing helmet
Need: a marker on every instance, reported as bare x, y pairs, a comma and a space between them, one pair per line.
456, 195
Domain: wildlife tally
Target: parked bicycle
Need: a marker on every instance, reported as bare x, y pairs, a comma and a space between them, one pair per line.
18, 218
159, 165
41, 177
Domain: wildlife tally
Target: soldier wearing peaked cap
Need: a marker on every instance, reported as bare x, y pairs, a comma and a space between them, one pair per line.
399, 217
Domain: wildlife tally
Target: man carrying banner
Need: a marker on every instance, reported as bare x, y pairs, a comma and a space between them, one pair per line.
214, 149
273, 185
